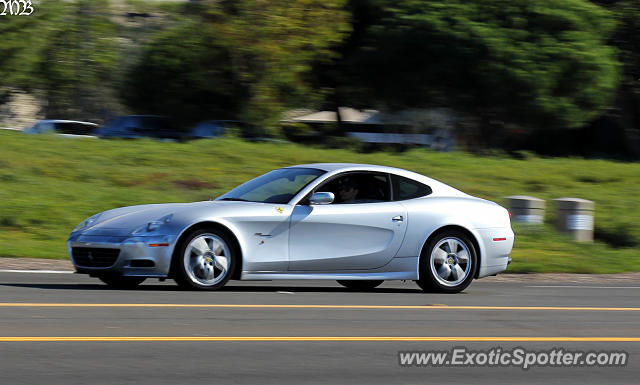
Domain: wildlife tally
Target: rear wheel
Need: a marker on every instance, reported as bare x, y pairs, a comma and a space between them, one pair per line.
120, 282
448, 263
360, 284
205, 260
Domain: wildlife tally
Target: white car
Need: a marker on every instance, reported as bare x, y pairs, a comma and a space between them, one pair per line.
68, 128
354, 223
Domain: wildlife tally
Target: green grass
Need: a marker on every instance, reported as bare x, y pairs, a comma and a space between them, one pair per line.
49, 184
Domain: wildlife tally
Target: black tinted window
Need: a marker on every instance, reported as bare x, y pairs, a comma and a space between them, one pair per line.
358, 188
405, 188
73, 128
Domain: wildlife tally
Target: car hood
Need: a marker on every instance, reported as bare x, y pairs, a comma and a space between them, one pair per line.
124, 220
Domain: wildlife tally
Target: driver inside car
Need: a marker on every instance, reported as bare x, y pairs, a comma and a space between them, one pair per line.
348, 190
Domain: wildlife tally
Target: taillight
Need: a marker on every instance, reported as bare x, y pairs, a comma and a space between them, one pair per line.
509, 214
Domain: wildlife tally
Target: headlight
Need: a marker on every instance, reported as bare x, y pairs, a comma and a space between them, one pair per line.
154, 225
87, 222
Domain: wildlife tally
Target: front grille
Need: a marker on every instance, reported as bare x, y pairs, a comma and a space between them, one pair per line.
94, 257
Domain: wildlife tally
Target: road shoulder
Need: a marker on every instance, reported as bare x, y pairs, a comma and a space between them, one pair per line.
36, 264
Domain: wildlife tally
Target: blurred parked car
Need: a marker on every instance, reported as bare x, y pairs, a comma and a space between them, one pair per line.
207, 129
216, 128
138, 126
62, 127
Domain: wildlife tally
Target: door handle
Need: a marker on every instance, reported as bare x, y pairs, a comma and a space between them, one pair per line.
397, 218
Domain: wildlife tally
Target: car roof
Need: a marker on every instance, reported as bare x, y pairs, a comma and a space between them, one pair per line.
329, 167
64, 121
142, 116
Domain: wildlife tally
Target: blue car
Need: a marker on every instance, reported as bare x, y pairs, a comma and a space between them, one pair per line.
138, 126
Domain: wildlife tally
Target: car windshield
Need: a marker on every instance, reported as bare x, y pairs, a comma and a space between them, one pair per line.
277, 186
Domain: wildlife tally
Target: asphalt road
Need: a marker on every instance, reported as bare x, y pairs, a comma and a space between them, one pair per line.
315, 344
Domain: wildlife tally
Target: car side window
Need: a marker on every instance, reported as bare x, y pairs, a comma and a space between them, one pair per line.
66, 128
358, 188
405, 188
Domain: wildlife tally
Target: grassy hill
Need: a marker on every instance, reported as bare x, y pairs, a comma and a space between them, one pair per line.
48, 184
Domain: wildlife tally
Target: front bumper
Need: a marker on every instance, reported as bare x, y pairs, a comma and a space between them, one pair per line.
139, 256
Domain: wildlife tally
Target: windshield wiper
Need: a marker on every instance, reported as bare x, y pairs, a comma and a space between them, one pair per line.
233, 199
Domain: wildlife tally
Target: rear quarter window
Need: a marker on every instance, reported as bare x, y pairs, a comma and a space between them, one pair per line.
405, 188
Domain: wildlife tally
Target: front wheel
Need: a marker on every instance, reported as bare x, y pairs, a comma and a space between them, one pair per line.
205, 260
448, 263
360, 284
119, 282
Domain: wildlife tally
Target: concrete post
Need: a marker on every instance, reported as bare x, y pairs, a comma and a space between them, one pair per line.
575, 216
526, 209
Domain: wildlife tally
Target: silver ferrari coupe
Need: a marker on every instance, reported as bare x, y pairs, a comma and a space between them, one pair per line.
354, 223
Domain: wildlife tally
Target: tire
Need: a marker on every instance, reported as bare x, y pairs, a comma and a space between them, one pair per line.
204, 266
119, 282
448, 263
360, 284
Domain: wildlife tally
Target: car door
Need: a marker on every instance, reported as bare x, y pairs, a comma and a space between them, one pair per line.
265, 229
356, 234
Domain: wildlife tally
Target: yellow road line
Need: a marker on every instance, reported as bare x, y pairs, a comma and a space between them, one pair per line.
319, 339
338, 307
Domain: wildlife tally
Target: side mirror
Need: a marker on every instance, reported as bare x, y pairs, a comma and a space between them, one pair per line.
321, 198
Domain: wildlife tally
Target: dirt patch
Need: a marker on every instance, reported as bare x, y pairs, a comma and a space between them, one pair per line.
35, 264
193, 184
562, 278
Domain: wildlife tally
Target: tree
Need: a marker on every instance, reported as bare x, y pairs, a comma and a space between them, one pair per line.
66, 50
23, 39
244, 59
625, 117
340, 76
185, 73
78, 62
528, 62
